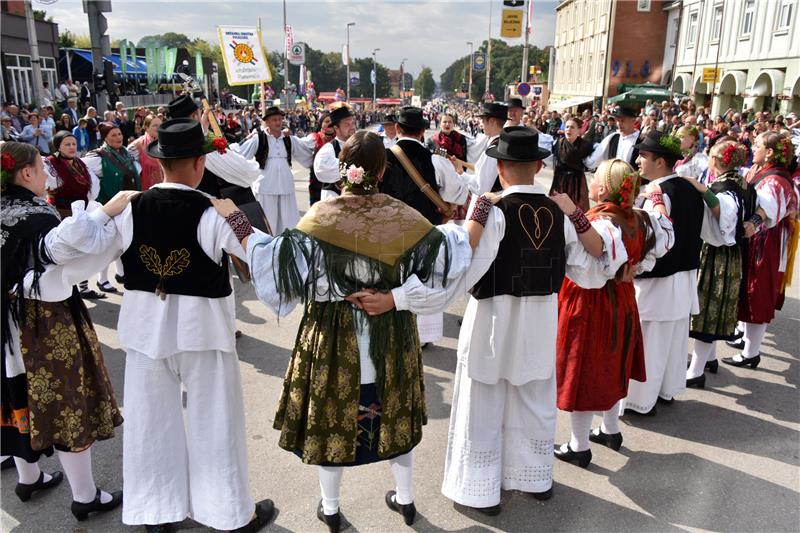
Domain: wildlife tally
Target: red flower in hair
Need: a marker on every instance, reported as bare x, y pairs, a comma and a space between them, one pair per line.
728, 153
220, 144
8, 162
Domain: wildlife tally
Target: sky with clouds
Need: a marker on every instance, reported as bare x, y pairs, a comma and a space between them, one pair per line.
429, 33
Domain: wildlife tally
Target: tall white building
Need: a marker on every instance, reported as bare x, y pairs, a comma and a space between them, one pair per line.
755, 43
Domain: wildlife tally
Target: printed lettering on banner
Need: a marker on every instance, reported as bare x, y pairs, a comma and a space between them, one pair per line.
243, 55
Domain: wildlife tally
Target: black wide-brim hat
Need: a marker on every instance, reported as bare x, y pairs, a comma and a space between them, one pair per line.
179, 138
660, 143
181, 107
518, 143
389, 118
625, 111
411, 118
515, 102
273, 110
340, 113
495, 110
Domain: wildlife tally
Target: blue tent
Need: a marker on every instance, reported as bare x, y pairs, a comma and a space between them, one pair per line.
135, 67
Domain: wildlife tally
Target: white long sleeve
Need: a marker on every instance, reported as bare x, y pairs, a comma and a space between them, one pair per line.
262, 256
721, 232
665, 239
233, 168
326, 164
452, 187
303, 150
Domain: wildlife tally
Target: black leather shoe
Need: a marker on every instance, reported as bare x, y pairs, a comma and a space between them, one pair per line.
159, 528
408, 511
713, 366
611, 440
752, 362
543, 496
738, 344
120, 279
88, 294
81, 510
107, 287
494, 510
26, 491
664, 401
265, 509
333, 521
567, 454
698, 382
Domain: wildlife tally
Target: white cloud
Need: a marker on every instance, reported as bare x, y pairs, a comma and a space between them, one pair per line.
432, 33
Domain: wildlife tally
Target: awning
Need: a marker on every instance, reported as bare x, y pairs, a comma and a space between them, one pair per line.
137, 66
388, 101
569, 102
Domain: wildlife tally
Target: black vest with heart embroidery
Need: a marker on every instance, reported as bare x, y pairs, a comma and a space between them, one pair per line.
531, 260
164, 253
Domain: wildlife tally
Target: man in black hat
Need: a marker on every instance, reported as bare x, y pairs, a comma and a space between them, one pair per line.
326, 162
486, 178
618, 145
225, 175
504, 402
438, 173
667, 295
274, 152
177, 327
515, 111
389, 123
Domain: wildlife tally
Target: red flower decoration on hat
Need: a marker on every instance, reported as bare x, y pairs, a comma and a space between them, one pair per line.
8, 162
220, 144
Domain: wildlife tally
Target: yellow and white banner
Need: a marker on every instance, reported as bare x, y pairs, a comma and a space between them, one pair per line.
243, 55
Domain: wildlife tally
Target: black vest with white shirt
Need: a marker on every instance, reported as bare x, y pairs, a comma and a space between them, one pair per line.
337, 149
398, 184
613, 146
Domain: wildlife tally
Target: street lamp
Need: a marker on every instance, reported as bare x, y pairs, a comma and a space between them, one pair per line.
469, 87
375, 78
348, 59
403, 79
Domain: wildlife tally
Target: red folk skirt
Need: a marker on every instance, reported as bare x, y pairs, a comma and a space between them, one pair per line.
599, 345
762, 286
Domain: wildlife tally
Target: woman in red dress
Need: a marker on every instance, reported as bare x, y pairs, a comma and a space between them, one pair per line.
151, 170
599, 346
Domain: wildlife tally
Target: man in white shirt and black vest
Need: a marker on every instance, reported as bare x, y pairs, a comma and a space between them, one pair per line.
176, 326
326, 162
667, 295
389, 123
438, 173
503, 418
620, 144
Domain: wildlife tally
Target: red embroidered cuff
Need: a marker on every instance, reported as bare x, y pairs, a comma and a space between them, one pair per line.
579, 220
480, 214
239, 224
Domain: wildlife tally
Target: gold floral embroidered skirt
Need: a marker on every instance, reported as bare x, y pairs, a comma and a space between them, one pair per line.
70, 400
326, 416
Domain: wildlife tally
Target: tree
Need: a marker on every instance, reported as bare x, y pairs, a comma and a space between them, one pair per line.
66, 40
425, 85
41, 16
170, 39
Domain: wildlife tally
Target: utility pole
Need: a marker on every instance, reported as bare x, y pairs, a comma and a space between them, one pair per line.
489, 51
33, 42
101, 46
524, 77
374, 79
469, 87
285, 58
348, 59
403, 79
675, 55
716, 61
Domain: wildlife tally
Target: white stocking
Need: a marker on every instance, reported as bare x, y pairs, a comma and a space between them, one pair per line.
581, 422
118, 265
78, 469
102, 277
330, 486
610, 424
753, 335
402, 469
28, 472
703, 352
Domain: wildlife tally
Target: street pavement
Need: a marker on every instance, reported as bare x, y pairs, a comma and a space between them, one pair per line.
725, 458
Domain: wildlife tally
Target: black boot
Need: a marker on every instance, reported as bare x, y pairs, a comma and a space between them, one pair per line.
567, 454
712, 366
611, 440
408, 511
698, 382
740, 360
25, 491
81, 510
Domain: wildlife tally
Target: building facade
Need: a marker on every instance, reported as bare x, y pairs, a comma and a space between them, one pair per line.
15, 53
601, 44
754, 43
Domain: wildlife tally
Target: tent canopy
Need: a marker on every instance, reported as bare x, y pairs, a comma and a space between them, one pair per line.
569, 102
138, 66
641, 95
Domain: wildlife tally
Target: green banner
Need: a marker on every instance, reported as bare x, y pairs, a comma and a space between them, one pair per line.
172, 58
123, 56
198, 66
162, 61
150, 59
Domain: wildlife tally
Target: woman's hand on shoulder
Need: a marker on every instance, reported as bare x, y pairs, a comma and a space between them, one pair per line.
118, 203
564, 202
224, 207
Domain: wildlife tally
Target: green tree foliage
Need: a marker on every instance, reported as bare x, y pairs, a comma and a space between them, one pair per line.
506, 68
41, 16
66, 39
425, 85
171, 39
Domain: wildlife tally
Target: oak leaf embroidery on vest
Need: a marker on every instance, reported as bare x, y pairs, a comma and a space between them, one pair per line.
176, 262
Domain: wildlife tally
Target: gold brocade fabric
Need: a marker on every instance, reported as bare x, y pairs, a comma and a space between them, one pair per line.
318, 409
376, 225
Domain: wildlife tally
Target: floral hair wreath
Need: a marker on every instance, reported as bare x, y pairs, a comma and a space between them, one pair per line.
220, 144
735, 154
783, 151
353, 176
8, 166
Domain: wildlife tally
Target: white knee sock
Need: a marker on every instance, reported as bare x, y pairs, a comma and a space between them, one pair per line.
402, 469
28, 472
102, 277
753, 335
712, 354
581, 422
118, 265
330, 486
701, 354
610, 424
78, 469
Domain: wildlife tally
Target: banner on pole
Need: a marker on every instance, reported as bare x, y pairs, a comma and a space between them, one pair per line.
162, 61
289, 39
243, 55
345, 55
355, 78
512, 23
172, 57
123, 56
297, 54
479, 61
150, 59
198, 65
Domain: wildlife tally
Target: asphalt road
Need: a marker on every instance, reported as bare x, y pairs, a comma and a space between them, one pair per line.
725, 458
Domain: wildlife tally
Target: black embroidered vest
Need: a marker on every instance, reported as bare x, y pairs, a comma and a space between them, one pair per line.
263, 149
531, 260
398, 184
164, 253
613, 145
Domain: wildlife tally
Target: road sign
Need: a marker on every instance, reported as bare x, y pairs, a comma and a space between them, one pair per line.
523, 89
711, 75
479, 61
355, 78
297, 54
512, 23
